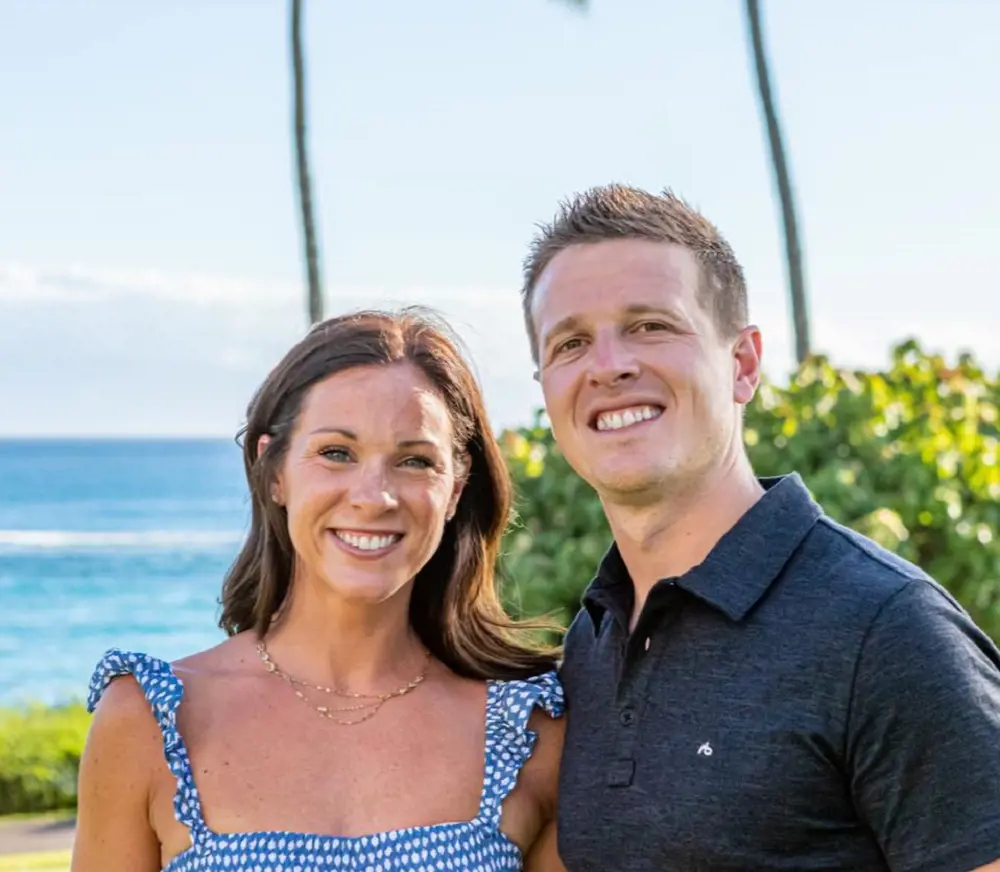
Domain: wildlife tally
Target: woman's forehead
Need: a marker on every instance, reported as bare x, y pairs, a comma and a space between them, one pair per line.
396, 400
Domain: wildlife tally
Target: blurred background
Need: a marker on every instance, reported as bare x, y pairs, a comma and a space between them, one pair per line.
156, 260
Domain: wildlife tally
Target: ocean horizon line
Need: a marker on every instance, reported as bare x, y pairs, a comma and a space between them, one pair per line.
115, 437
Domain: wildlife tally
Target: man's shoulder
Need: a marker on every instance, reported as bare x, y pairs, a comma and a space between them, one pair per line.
863, 578
857, 564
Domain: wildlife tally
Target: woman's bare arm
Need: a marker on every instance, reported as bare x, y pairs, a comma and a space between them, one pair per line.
541, 777
113, 832
544, 854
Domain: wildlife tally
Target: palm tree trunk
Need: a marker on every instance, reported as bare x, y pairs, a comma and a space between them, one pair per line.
796, 281
302, 163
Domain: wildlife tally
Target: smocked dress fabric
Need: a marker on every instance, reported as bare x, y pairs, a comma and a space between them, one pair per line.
462, 846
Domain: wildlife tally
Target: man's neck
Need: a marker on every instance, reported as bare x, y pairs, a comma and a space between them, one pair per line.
668, 537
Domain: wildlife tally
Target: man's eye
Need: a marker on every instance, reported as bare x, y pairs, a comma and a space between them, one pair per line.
651, 327
568, 345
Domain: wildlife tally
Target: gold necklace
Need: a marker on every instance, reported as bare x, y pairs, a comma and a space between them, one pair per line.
377, 699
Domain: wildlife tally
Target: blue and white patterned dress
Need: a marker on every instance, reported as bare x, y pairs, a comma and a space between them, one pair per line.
477, 844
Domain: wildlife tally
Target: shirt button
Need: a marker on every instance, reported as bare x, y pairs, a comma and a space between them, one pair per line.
626, 718
647, 643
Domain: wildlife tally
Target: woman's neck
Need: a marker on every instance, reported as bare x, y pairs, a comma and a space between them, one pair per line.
359, 647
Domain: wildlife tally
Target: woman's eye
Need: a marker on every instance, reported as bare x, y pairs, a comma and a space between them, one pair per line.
338, 455
419, 462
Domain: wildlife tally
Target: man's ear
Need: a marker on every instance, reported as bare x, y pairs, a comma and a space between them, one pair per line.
747, 350
277, 495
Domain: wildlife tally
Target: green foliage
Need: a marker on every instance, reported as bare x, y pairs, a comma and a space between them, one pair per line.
40, 750
560, 535
908, 456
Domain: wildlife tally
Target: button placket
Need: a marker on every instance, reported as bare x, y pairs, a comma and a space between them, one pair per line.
632, 703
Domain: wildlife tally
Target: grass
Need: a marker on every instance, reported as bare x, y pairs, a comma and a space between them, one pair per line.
50, 861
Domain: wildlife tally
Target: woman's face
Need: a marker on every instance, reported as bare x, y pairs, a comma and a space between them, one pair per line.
369, 480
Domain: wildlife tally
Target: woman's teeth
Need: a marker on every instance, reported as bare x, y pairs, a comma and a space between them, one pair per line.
366, 541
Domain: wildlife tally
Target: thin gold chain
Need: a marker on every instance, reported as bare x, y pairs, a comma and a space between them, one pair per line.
377, 699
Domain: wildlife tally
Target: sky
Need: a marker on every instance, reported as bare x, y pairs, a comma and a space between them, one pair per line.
150, 260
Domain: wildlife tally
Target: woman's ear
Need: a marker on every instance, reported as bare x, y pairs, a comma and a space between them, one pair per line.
462, 467
276, 489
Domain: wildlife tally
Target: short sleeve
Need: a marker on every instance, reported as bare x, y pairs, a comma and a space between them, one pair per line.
509, 739
923, 735
519, 698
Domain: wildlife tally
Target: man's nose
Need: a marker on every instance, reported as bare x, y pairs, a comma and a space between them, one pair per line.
611, 360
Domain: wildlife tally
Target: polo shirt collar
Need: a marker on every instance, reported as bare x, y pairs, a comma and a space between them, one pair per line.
738, 571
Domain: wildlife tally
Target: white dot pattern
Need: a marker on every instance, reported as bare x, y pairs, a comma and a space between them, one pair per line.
451, 847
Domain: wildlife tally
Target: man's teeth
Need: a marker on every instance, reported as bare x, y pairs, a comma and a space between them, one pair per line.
627, 417
367, 542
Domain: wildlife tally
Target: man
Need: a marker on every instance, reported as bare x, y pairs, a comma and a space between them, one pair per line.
750, 685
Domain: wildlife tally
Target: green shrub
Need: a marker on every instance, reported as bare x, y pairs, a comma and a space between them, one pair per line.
40, 751
560, 534
908, 456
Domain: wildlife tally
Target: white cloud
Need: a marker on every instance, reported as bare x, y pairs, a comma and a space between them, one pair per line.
99, 351
78, 283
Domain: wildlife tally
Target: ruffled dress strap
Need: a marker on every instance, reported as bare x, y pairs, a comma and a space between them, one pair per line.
509, 741
164, 691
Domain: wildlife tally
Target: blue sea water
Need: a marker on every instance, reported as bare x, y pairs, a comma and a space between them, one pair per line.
110, 543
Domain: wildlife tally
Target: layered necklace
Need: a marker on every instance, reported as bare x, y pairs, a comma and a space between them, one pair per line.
366, 705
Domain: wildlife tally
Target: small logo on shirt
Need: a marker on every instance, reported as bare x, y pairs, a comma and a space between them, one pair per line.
705, 750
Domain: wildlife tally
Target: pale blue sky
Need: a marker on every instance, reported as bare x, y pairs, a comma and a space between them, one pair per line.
149, 253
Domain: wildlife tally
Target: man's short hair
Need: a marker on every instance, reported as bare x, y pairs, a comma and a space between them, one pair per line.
623, 212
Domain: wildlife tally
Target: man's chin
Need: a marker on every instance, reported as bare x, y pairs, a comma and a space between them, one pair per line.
636, 485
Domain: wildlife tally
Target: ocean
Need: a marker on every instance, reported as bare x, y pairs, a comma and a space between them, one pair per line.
110, 543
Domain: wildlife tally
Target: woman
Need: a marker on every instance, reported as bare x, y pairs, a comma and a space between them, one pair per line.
373, 707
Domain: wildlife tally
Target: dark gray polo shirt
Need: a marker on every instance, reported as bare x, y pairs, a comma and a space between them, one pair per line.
802, 700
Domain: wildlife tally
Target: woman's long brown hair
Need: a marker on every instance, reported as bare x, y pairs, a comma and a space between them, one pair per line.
454, 607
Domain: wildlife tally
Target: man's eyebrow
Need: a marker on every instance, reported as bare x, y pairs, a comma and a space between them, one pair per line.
570, 322
646, 309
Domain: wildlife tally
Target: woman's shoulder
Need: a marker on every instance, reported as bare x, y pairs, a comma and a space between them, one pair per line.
155, 682
125, 738
525, 732
523, 699
119, 705
152, 678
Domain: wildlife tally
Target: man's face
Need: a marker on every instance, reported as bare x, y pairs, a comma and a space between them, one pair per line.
641, 390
